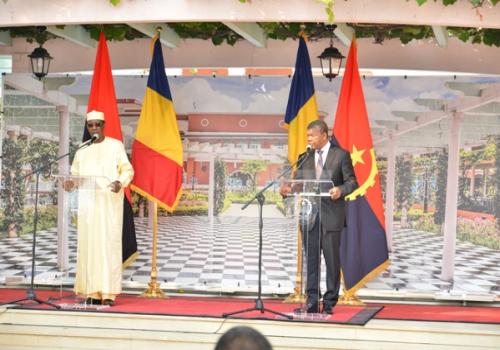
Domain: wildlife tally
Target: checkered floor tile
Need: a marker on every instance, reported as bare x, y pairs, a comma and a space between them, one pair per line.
222, 256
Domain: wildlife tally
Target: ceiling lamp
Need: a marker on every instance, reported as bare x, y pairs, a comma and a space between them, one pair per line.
330, 60
40, 62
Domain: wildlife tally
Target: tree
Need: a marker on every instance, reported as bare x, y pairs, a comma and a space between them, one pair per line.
441, 181
220, 184
39, 152
14, 191
251, 168
424, 167
404, 180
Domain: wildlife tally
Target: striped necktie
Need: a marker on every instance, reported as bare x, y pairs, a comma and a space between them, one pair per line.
319, 165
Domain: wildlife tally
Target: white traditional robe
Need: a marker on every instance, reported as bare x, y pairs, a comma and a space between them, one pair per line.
100, 218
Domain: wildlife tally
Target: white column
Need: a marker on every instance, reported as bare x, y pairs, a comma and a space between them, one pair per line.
472, 182
450, 219
62, 196
389, 189
486, 172
211, 189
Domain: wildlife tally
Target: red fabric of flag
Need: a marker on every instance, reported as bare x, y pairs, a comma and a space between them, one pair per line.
103, 99
364, 251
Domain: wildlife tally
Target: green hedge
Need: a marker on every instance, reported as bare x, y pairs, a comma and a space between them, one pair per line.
47, 218
413, 214
190, 210
189, 195
478, 232
243, 197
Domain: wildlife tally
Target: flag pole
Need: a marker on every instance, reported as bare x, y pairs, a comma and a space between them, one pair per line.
154, 290
297, 297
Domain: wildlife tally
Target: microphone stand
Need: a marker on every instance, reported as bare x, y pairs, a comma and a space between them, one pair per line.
259, 304
30, 293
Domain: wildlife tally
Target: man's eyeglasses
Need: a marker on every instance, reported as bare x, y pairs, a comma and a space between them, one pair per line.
94, 125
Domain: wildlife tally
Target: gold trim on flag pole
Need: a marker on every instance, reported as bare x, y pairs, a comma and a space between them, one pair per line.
349, 298
297, 297
154, 290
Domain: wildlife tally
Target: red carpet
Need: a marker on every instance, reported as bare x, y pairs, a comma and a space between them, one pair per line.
473, 314
203, 306
199, 306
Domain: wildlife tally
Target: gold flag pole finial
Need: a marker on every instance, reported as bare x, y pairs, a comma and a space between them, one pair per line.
303, 33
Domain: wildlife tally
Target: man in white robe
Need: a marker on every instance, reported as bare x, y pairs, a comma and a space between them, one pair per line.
100, 214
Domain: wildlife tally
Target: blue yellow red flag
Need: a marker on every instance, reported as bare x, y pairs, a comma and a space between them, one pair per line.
157, 154
363, 250
301, 108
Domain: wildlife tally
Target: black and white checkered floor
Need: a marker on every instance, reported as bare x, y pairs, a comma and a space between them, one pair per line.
197, 255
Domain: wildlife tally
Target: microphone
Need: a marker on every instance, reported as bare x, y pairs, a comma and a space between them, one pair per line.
304, 156
90, 141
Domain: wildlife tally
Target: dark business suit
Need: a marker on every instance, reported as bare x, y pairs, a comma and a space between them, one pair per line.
325, 233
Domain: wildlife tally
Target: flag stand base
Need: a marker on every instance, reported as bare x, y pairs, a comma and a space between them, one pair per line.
349, 299
154, 291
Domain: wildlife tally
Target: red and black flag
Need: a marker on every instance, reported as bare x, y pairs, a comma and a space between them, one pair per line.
363, 251
103, 99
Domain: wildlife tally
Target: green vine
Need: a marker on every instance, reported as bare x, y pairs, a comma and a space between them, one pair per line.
474, 3
219, 34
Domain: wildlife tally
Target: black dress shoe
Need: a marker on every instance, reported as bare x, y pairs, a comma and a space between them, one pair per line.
308, 308
108, 302
92, 301
328, 311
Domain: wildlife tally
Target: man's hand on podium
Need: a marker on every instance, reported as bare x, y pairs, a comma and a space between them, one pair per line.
335, 193
115, 186
285, 189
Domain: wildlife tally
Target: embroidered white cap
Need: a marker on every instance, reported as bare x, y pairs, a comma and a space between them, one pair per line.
95, 115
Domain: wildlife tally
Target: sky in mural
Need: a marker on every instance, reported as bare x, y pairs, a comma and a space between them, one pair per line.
269, 95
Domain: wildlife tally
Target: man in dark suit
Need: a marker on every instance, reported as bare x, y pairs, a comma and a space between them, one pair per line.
332, 163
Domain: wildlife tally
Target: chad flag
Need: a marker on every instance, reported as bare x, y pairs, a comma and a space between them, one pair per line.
157, 148
301, 108
363, 247
102, 98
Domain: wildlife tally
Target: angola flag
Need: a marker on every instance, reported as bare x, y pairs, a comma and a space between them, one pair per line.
363, 250
102, 98
301, 108
157, 148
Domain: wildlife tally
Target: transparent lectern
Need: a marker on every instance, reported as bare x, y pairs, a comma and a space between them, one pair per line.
303, 211
83, 191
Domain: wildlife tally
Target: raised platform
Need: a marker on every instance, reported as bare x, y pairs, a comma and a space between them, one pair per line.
46, 329
196, 322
